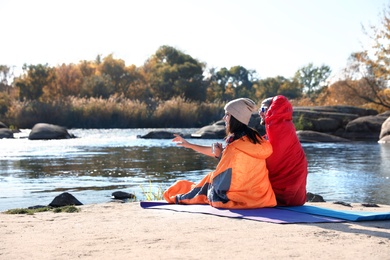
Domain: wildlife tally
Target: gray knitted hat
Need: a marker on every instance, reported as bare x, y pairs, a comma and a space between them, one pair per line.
241, 109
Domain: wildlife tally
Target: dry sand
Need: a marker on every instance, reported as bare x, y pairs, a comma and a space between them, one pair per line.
126, 231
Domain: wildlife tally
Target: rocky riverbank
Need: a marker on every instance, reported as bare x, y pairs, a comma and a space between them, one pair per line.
324, 124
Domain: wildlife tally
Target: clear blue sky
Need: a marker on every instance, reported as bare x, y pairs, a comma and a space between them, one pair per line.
273, 37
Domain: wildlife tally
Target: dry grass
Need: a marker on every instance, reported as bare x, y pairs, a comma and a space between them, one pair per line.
152, 194
114, 112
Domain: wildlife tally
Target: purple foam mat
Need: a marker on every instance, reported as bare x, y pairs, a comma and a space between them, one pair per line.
272, 215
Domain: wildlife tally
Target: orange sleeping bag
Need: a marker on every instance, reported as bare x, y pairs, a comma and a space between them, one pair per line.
239, 181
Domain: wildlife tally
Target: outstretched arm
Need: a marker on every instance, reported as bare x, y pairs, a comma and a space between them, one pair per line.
206, 150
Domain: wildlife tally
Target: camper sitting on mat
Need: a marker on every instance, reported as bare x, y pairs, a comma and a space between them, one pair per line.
287, 165
240, 179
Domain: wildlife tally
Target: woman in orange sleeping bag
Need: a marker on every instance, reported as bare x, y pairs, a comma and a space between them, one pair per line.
241, 177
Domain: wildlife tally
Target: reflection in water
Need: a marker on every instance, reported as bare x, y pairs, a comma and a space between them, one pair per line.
94, 166
156, 163
351, 172
101, 170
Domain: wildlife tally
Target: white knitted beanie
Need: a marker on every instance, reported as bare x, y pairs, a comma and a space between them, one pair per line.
241, 109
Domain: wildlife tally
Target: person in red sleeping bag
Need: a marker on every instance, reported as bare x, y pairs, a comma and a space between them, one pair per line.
287, 165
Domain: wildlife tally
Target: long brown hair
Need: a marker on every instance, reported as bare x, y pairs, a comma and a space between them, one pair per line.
239, 129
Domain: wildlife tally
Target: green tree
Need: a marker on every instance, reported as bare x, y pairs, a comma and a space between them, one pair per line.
269, 87
312, 78
214, 91
227, 84
116, 70
224, 81
172, 73
291, 89
242, 80
279, 85
97, 86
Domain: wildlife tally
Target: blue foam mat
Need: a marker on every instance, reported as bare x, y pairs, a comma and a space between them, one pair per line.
272, 215
340, 214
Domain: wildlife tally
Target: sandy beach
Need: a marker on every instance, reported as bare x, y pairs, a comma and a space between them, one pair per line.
126, 231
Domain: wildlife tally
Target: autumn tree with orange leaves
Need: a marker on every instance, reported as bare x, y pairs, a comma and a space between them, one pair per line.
367, 76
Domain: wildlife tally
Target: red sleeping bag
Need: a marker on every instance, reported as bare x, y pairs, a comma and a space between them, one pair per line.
287, 165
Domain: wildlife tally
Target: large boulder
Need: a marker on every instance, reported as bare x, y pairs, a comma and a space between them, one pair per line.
6, 133
43, 131
364, 128
214, 131
161, 134
328, 119
326, 124
340, 110
315, 137
322, 121
353, 123
158, 135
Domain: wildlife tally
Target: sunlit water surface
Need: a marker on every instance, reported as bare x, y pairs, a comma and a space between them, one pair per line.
100, 162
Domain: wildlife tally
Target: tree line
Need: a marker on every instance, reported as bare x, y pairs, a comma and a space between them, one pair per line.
166, 74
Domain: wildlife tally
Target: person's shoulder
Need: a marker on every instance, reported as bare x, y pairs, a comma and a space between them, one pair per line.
265, 142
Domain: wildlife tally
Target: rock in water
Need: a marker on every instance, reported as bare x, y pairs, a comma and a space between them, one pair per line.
65, 199
120, 195
43, 131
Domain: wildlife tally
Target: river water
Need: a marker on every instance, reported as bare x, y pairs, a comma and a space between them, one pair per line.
102, 161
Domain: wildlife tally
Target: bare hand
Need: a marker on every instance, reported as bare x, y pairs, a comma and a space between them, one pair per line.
217, 149
180, 141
